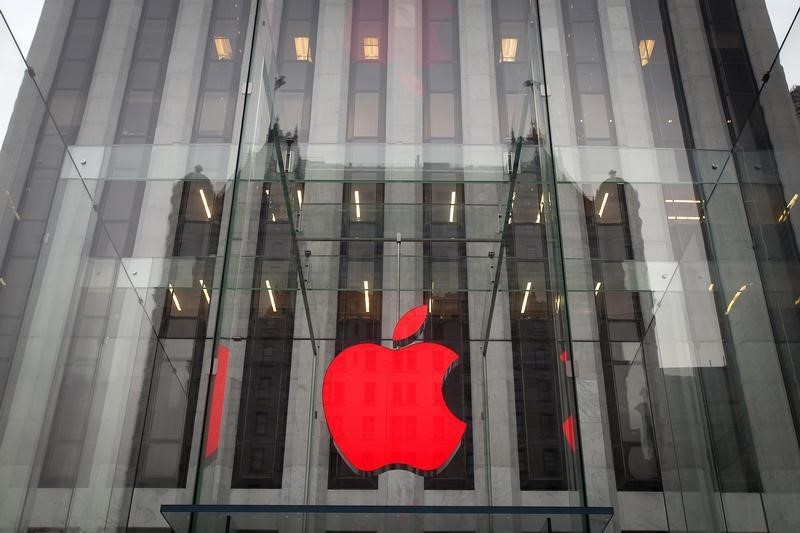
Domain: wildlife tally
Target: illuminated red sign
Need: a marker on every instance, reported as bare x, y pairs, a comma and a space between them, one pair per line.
385, 408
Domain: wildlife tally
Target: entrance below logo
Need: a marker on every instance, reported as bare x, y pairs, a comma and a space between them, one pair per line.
385, 408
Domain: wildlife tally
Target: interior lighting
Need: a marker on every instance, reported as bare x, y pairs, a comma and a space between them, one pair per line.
302, 49
785, 213
671, 217
205, 203
452, 205
646, 50
682, 201
711, 286
299, 199
366, 295
2, 281
223, 48
271, 297
508, 52
371, 48
597, 288
358, 205
735, 298
175, 298
205, 292
603, 205
525, 297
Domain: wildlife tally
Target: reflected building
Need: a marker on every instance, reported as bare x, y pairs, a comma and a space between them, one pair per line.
592, 203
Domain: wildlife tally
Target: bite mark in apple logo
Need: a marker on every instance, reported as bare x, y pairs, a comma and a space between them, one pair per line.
385, 408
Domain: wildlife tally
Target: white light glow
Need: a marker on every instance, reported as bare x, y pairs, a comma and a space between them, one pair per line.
358, 205
300, 198
205, 292
366, 295
205, 203
597, 288
525, 298
175, 298
735, 298
603, 205
452, 206
271, 297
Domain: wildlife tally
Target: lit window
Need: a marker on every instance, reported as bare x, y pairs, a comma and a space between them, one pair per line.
302, 49
509, 50
223, 47
646, 50
371, 48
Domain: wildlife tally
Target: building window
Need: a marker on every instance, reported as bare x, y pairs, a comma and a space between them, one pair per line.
533, 342
445, 282
440, 71
264, 401
296, 60
140, 106
615, 238
219, 85
368, 53
359, 310
513, 68
594, 121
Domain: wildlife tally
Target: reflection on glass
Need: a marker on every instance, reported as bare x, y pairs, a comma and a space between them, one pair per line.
222, 45
646, 50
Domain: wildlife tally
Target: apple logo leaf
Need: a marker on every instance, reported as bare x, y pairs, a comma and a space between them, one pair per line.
410, 323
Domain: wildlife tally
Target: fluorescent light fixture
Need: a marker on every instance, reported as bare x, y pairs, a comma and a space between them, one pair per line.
271, 297
273, 217
558, 303
603, 205
205, 292
223, 48
366, 295
452, 205
784, 216
2, 281
430, 305
205, 203
525, 298
682, 201
300, 198
711, 286
597, 288
302, 48
683, 218
508, 53
358, 205
646, 50
735, 298
371, 48
175, 298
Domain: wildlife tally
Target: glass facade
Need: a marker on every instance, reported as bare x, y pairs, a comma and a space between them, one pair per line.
564, 230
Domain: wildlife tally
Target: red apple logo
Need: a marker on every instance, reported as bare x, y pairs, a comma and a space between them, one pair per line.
385, 408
